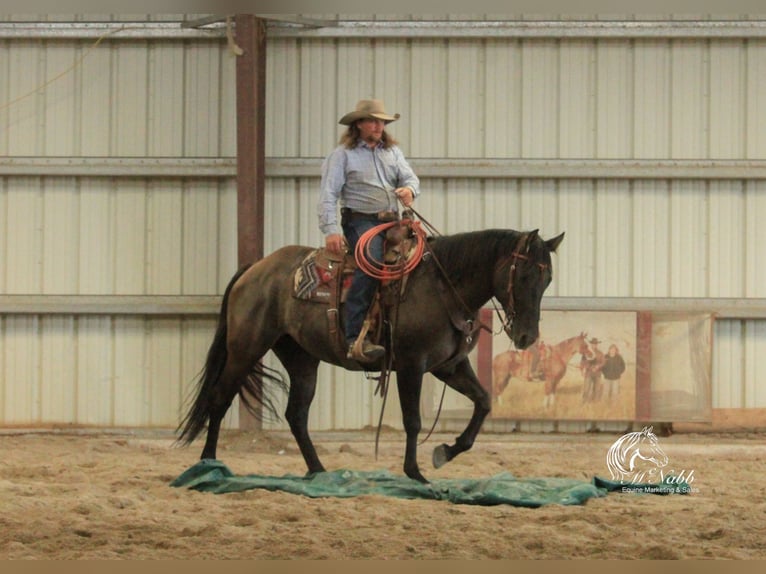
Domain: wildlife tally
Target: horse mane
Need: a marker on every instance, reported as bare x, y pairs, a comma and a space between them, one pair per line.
568, 340
617, 454
463, 254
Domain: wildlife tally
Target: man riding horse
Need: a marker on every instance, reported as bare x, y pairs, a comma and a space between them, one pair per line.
368, 175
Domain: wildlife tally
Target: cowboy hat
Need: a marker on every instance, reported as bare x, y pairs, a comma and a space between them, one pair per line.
368, 109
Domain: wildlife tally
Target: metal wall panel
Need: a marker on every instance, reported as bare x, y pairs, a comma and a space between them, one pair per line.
105, 371
472, 98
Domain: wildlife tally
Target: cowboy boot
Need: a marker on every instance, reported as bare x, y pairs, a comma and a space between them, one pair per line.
364, 351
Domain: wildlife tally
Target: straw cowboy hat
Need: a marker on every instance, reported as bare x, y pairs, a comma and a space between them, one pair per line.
368, 109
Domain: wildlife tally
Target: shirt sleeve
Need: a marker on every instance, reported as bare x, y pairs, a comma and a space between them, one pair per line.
407, 177
333, 179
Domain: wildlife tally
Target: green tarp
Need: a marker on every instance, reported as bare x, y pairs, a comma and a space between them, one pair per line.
504, 488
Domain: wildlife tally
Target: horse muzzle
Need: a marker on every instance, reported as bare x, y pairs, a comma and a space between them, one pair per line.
522, 338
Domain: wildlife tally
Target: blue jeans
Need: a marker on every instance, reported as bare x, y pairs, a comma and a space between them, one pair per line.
363, 287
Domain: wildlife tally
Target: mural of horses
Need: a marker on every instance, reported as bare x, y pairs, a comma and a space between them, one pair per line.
509, 364
457, 276
547, 363
636, 457
590, 366
512, 363
555, 365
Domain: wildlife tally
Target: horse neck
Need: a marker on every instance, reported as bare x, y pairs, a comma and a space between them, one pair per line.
477, 268
567, 348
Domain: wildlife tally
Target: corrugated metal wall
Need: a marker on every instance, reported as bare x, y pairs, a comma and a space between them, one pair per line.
113, 235
468, 96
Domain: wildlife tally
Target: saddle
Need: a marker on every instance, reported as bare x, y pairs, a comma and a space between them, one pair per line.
325, 278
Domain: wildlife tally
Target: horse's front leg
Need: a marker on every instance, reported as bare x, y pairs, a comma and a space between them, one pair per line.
463, 379
409, 386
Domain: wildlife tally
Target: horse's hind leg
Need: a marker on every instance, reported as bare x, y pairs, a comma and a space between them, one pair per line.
220, 400
302, 370
463, 379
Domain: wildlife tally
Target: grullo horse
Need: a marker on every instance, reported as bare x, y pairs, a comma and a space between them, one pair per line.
457, 275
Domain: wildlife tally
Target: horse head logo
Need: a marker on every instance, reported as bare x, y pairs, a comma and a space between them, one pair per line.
636, 457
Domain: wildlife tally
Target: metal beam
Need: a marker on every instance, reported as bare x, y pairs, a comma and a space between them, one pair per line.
109, 30
529, 29
296, 20
118, 167
551, 168
250, 38
181, 305
280, 167
722, 308
209, 305
251, 136
285, 26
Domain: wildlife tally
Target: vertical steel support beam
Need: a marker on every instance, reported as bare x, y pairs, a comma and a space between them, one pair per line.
251, 155
250, 35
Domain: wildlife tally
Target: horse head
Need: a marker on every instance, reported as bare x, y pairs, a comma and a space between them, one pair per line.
636, 456
585, 351
648, 449
529, 272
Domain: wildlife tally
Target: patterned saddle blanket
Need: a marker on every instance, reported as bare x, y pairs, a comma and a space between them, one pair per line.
313, 280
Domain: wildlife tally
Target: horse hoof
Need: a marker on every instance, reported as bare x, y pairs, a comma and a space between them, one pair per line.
440, 456
415, 475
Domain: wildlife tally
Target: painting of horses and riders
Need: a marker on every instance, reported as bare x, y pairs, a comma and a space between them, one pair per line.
582, 367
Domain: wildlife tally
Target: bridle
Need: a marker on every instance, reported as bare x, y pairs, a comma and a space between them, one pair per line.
510, 307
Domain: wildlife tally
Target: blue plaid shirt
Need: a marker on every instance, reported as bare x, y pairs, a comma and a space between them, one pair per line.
362, 179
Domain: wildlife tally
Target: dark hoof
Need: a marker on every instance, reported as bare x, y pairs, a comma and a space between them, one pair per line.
415, 475
440, 456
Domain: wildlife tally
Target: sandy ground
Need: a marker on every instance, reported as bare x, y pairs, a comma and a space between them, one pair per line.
67, 495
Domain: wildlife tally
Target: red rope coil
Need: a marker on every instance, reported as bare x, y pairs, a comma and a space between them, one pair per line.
380, 269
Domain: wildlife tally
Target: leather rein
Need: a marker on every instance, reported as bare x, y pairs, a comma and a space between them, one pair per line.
509, 309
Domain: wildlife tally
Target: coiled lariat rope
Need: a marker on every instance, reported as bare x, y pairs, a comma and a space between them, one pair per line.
389, 271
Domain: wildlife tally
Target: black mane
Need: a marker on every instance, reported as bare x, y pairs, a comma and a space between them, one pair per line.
462, 254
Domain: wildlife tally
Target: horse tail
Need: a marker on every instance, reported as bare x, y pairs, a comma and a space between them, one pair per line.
196, 419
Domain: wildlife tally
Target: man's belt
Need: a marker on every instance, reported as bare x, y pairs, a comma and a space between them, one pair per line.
384, 216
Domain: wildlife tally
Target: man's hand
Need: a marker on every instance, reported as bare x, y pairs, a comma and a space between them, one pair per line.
334, 243
405, 195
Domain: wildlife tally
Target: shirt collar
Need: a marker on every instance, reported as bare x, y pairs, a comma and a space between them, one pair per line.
361, 143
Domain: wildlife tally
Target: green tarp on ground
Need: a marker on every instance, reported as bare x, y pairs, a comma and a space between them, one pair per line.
214, 476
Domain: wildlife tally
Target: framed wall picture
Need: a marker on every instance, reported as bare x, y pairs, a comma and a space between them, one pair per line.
602, 366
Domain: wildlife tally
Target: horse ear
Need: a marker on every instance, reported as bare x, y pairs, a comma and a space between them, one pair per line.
554, 243
531, 236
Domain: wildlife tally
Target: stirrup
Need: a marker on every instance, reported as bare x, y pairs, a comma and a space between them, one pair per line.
364, 351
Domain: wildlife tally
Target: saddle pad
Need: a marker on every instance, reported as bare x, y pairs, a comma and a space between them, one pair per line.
312, 278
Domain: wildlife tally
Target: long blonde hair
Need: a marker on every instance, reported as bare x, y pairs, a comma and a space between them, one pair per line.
351, 136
